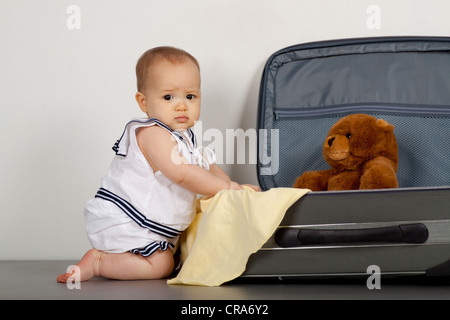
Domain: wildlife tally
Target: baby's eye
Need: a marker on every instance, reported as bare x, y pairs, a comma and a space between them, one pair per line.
168, 97
190, 96
348, 135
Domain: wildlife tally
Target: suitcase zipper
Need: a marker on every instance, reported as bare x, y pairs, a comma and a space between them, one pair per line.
283, 113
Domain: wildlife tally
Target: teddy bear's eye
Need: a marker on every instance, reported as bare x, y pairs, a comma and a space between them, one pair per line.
348, 135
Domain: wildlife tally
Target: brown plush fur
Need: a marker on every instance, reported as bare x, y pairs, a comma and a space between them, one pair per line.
362, 153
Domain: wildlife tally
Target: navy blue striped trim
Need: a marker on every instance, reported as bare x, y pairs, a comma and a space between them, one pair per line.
136, 216
152, 247
149, 120
159, 123
192, 137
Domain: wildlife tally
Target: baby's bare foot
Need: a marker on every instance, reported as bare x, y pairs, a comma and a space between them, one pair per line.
88, 267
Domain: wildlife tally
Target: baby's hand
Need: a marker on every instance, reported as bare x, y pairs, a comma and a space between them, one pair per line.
256, 188
235, 186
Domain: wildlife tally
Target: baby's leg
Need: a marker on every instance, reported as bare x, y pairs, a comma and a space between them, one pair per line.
123, 266
87, 266
130, 266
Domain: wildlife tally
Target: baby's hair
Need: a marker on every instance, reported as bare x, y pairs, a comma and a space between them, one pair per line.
171, 54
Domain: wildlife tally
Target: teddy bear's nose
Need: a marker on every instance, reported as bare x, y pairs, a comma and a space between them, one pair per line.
330, 141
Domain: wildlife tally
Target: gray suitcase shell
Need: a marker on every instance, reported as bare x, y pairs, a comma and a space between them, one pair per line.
304, 90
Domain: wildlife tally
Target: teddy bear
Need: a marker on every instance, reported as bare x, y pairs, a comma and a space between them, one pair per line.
362, 152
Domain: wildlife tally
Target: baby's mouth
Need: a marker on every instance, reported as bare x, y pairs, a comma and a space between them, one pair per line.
182, 119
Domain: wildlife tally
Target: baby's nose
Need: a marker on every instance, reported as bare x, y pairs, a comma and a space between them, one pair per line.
181, 106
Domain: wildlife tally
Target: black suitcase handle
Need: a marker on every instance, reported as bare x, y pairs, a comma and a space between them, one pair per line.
406, 233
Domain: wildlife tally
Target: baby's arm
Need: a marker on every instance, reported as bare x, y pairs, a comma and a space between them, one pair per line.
218, 172
161, 151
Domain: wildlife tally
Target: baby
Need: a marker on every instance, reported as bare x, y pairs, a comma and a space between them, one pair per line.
149, 195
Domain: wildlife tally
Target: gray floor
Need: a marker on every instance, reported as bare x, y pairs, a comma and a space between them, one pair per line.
37, 280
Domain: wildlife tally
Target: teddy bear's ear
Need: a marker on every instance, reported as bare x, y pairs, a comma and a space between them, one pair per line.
383, 124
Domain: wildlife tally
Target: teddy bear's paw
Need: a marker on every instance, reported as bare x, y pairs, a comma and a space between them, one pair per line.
310, 180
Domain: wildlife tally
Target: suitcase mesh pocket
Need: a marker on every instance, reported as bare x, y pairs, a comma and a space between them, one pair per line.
424, 148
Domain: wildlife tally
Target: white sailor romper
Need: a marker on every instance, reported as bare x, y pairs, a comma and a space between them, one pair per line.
137, 209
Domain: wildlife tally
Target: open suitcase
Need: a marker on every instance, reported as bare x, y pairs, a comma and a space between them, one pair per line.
304, 90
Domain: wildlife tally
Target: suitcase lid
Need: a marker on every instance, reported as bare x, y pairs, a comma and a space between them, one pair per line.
306, 88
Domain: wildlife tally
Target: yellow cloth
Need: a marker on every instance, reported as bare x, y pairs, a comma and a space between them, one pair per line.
228, 228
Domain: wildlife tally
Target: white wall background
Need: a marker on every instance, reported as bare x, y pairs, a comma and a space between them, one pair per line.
66, 94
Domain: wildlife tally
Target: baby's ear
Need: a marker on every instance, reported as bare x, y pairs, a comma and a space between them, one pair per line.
142, 101
384, 124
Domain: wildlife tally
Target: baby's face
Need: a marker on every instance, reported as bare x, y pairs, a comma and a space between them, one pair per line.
173, 95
